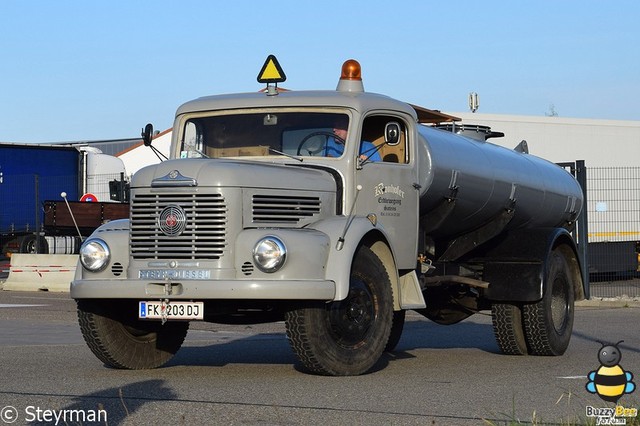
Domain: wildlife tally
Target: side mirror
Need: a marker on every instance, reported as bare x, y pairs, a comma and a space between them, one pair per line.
147, 134
392, 133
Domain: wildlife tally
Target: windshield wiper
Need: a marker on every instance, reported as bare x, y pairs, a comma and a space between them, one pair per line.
368, 156
202, 154
295, 157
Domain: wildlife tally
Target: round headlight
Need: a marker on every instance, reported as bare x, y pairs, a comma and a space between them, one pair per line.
94, 255
269, 254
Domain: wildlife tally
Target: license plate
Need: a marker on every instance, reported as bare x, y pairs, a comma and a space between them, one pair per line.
171, 310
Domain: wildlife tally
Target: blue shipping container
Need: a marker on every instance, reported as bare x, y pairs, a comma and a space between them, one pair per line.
30, 174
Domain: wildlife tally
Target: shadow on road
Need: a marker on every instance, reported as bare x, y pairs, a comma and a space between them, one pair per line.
112, 406
274, 349
465, 334
271, 348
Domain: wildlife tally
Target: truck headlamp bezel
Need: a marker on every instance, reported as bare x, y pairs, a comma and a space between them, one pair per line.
95, 254
269, 254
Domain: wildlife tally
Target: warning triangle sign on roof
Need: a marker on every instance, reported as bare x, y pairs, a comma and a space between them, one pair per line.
271, 71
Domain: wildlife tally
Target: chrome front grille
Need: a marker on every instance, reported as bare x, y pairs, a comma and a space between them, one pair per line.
204, 236
283, 208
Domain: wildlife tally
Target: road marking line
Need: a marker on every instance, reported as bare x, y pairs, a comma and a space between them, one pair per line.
13, 305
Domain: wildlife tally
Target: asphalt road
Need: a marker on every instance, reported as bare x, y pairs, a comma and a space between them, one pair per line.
248, 375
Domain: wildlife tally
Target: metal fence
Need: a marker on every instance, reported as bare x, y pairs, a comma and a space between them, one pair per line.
613, 211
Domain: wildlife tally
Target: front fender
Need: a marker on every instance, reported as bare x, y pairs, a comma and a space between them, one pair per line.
307, 251
116, 234
340, 256
516, 264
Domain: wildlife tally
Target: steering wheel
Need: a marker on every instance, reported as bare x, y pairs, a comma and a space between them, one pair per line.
316, 150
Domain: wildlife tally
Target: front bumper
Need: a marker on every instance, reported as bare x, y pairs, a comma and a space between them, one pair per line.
205, 290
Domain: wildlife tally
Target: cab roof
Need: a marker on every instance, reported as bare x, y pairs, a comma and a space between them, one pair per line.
359, 101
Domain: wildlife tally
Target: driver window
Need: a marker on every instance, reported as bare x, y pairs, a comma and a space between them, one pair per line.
373, 131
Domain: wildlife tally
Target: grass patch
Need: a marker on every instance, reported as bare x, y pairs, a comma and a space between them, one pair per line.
512, 419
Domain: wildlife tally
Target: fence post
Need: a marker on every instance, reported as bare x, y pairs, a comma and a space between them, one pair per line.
37, 212
583, 233
122, 187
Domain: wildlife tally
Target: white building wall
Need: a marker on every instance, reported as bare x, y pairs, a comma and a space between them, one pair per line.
601, 143
141, 156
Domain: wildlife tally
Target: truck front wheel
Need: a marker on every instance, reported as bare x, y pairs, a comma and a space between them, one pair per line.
120, 340
346, 337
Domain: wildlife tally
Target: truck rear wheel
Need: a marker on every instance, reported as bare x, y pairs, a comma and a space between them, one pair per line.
33, 244
120, 340
346, 337
548, 323
508, 328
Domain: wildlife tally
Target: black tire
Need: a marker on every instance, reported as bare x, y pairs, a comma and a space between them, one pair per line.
508, 328
346, 337
120, 340
548, 323
29, 244
396, 330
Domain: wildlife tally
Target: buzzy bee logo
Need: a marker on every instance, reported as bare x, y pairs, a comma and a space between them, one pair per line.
610, 382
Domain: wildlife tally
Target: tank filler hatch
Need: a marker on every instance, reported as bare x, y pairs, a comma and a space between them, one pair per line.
473, 131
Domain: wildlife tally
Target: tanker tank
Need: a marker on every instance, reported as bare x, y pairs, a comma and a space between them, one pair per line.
478, 181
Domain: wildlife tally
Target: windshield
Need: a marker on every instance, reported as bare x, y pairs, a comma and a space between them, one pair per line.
265, 133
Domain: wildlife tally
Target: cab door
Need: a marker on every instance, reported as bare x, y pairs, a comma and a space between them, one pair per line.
389, 187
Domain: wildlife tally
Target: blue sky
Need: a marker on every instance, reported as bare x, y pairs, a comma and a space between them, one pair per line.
89, 70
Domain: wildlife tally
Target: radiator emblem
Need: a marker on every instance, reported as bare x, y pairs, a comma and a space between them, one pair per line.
172, 220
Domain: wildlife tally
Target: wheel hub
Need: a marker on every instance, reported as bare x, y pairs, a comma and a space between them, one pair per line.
352, 318
559, 306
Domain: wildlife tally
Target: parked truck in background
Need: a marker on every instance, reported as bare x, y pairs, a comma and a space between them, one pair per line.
264, 213
34, 218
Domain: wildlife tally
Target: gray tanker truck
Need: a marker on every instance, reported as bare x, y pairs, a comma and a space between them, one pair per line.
335, 211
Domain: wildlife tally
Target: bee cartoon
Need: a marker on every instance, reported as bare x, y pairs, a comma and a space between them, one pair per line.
610, 381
